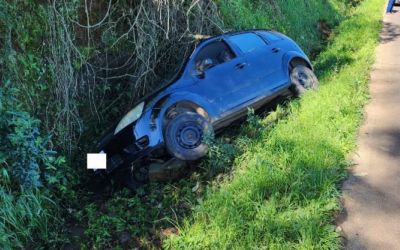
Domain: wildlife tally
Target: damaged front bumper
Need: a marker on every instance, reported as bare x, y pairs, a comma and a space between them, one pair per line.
123, 148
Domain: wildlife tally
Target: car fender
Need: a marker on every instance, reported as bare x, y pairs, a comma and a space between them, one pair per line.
289, 56
151, 122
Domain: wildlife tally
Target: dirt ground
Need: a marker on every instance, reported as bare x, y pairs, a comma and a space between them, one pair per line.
371, 195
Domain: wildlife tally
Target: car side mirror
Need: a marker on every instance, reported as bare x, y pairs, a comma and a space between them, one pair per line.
208, 64
200, 74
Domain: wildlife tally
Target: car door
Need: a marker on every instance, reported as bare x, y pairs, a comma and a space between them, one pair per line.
274, 56
224, 82
264, 64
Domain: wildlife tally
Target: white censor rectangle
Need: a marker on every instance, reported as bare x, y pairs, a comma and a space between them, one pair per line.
97, 161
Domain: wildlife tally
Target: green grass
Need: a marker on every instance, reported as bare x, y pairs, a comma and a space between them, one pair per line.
26, 219
296, 18
285, 188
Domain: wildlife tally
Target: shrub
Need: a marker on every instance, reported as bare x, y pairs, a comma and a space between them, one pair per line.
24, 152
27, 215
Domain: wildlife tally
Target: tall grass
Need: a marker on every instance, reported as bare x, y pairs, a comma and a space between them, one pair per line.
25, 219
285, 187
296, 18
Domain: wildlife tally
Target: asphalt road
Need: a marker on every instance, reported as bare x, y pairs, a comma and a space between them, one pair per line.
371, 195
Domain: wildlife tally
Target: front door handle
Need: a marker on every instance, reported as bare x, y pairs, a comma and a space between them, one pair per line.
276, 50
240, 65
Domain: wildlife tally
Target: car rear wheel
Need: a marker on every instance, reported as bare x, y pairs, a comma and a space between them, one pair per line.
184, 136
303, 79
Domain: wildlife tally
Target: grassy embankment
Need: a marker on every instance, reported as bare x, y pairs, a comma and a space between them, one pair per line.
301, 20
146, 217
149, 214
286, 186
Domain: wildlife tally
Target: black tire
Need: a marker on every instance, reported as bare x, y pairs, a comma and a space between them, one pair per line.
303, 79
140, 173
184, 136
132, 176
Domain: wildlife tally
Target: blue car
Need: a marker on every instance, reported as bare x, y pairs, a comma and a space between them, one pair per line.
224, 76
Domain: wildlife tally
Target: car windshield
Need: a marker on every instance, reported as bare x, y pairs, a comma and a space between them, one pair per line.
173, 67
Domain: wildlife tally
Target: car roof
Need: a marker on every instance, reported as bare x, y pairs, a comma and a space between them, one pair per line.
232, 33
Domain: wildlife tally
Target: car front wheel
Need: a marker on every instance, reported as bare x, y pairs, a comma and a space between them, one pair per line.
303, 79
184, 136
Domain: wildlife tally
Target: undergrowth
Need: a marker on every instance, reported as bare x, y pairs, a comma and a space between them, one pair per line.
28, 216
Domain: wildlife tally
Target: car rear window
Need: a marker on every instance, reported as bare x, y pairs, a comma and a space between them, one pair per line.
247, 42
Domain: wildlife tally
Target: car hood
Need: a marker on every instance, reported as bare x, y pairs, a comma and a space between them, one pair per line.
146, 99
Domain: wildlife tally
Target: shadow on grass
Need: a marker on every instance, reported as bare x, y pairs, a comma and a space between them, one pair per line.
335, 62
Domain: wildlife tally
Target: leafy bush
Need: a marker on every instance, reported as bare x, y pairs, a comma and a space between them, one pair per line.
24, 152
26, 164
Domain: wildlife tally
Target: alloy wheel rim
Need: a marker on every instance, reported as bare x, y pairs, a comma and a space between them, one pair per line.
303, 79
189, 135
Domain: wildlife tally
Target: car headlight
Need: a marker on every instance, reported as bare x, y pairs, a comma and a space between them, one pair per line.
130, 117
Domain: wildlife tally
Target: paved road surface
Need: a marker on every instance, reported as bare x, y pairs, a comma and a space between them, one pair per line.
371, 216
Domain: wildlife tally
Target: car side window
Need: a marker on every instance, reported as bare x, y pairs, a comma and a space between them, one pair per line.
271, 37
247, 42
212, 55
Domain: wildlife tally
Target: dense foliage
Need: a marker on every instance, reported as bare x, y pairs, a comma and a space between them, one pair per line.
26, 164
69, 69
